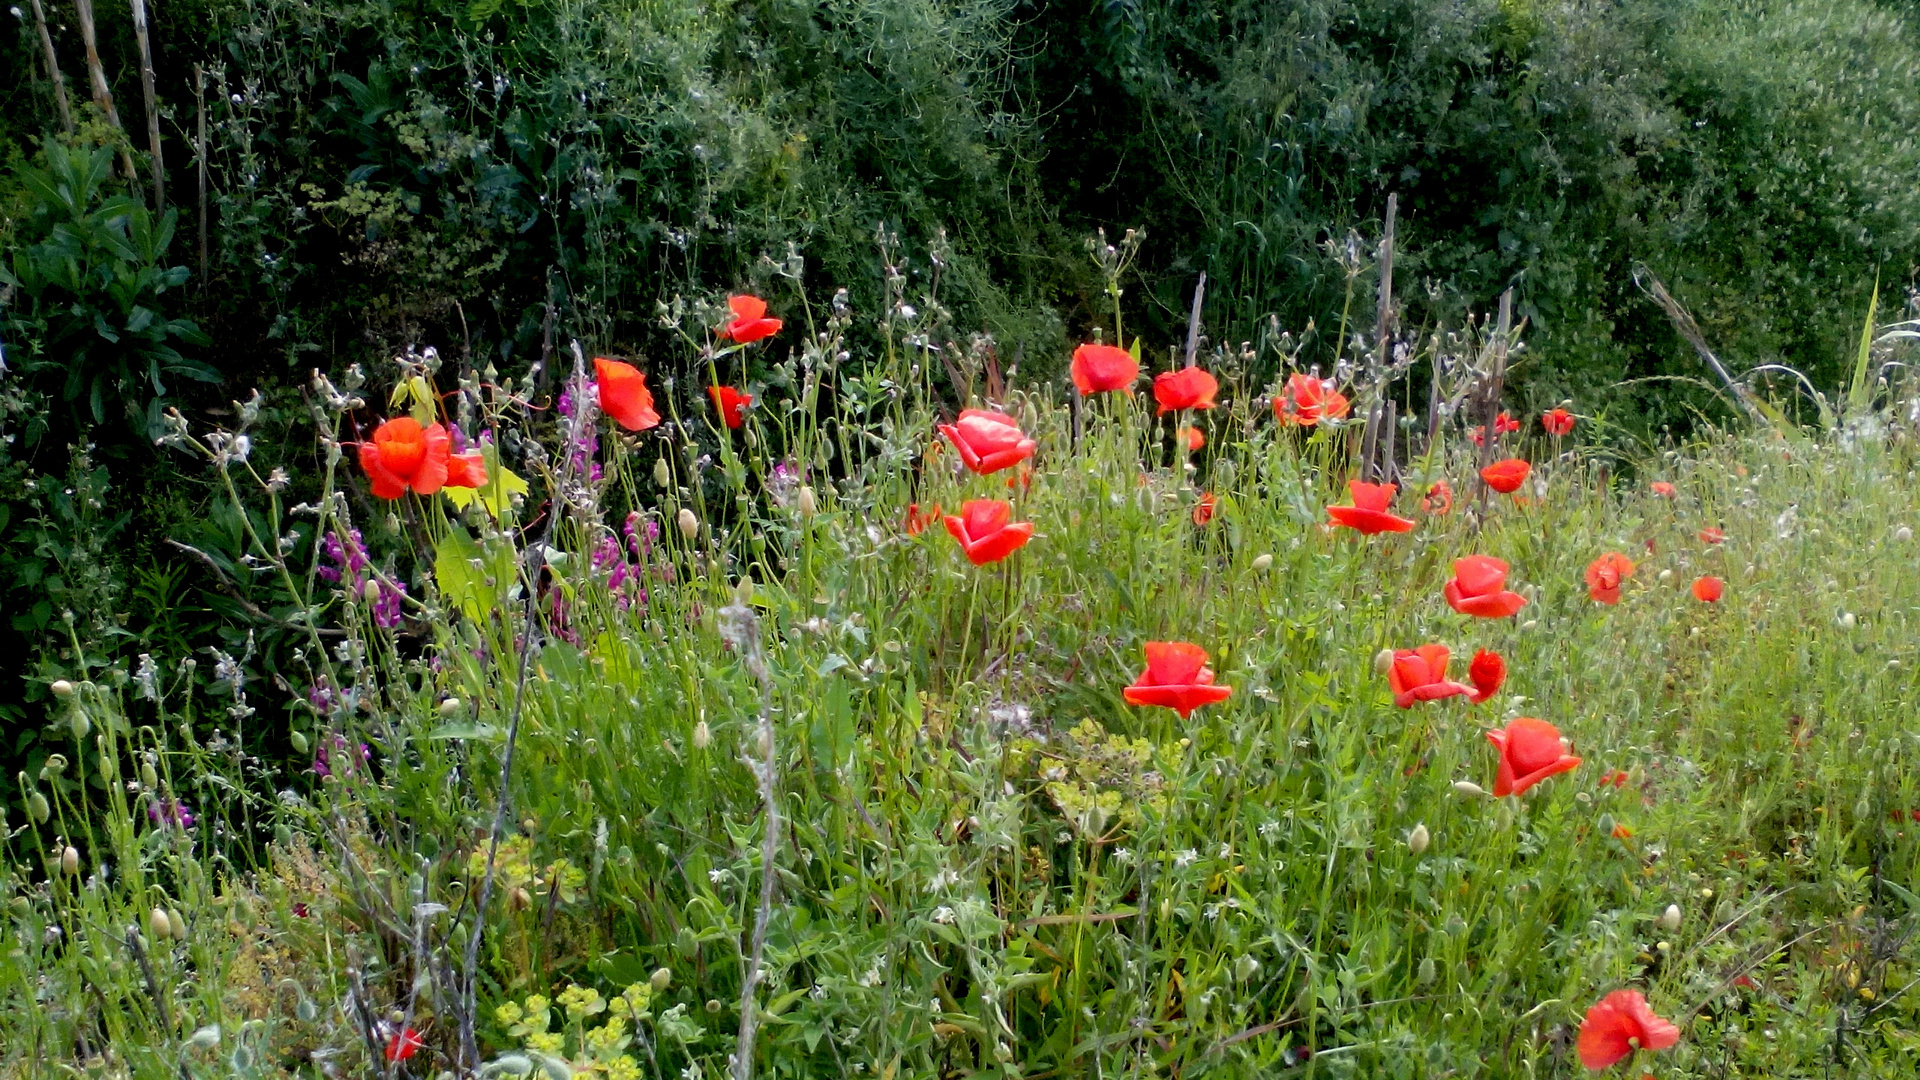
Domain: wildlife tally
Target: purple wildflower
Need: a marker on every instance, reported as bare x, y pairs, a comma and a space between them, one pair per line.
324, 764
170, 813
386, 606
349, 557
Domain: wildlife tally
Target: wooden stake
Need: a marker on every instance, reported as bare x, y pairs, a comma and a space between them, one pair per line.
102, 96
1383, 314
151, 97
53, 68
1193, 321
1496, 380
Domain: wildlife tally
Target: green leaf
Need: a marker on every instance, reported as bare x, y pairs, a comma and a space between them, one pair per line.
1860, 395
497, 493
461, 569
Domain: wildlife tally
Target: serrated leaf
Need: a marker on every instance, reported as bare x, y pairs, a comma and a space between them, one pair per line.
461, 568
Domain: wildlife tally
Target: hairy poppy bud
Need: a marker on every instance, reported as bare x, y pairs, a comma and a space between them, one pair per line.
449, 706
806, 502
148, 775
1262, 562
688, 525
660, 980
299, 741
662, 472
1665, 576
1418, 840
713, 1005
1383, 661
178, 923
1245, 968
159, 926
1670, 918
743, 592
82, 723
1468, 787
702, 736
70, 860
61, 688
38, 809
370, 591
1847, 620
1427, 973
1903, 534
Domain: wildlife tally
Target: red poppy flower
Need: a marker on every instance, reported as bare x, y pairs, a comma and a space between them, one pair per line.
1605, 575
1506, 476
987, 532
405, 1043
1369, 513
1708, 589
1421, 675
1479, 588
1438, 500
988, 441
1663, 489
1558, 422
750, 322
1100, 368
624, 394
402, 456
1621, 1023
1308, 400
1711, 535
1530, 751
1502, 424
1203, 510
1487, 672
1192, 437
918, 520
731, 404
1177, 678
1188, 388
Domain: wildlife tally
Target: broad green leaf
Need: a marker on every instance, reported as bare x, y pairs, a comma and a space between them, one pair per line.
497, 494
1861, 393
462, 568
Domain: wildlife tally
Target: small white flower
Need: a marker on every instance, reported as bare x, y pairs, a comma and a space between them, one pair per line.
1185, 857
943, 915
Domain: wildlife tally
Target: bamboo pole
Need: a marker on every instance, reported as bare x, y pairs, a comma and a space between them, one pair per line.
151, 98
1382, 340
53, 68
1193, 321
1495, 382
102, 95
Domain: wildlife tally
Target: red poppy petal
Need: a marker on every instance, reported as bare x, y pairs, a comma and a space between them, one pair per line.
1500, 605
1368, 522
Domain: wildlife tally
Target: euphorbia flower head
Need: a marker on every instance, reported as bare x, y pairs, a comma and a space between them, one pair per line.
1708, 589
1309, 400
1177, 678
749, 322
1421, 675
1479, 588
1369, 513
1530, 751
624, 395
1605, 576
1557, 422
1506, 476
1619, 1024
1487, 672
988, 441
1098, 369
731, 404
987, 532
1188, 388
403, 456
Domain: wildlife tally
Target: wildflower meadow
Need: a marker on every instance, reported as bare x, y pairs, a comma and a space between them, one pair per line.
808, 719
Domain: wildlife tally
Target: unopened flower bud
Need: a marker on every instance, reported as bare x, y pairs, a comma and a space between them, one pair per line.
1903, 534
148, 775
1847, 620
743, 592
1468, 787
1262, 563
61, 688
299, 741
38, 809
1383, 661
1665, 576
688, 524
806, 502
1427, 971
702, 736
660, 980
1418, 840
1670, 918
70, 860
82, 723
370, 591
662, 472
178, 923
159, 926
449, 706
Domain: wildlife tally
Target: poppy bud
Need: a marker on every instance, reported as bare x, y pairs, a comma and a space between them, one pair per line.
38, 809
148, 776
158, 925
69, 860
81, 723
1847, 621
713, 1005
743, 592
660, 980
702, 736
178, 923
1427, 973
1262, 563
1530, 624
1418, 840
1468, 787
1665, 576
688, 524
662, 472
806, 501
61, 688
449, 706
370, 591
299, 741
1383, 661
1902, 534
1670, 918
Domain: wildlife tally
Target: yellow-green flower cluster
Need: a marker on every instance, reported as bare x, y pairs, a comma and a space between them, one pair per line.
586, 1048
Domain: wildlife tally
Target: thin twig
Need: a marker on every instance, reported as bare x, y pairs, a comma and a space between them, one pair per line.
153, 990
233, 593
744, 626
